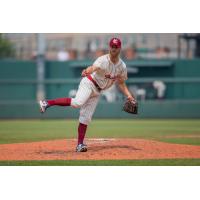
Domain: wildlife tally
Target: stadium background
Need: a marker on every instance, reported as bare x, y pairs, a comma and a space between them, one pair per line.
163, 72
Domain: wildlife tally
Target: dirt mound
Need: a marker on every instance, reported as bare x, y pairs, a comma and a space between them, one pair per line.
98, 149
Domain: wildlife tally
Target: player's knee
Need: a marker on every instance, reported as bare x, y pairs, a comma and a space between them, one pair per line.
76, 104
85, 120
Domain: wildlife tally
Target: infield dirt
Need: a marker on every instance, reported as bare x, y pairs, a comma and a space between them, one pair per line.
98, 149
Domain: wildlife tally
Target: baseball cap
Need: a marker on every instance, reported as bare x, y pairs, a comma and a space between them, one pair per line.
115, 42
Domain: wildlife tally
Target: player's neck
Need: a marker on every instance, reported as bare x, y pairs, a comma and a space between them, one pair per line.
114, 59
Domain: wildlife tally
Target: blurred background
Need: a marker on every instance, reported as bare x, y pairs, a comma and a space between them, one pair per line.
163, 71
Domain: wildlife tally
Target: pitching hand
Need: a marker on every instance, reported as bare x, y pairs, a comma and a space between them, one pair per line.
84, 73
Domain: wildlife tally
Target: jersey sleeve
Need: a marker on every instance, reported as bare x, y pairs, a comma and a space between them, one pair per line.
100, 62
124, 74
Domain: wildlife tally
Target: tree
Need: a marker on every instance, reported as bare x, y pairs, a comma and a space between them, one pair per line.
6, 48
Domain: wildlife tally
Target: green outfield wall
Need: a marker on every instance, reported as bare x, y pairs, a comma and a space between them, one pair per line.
147, 109
18, 85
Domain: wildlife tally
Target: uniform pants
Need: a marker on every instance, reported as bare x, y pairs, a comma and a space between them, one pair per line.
86, 99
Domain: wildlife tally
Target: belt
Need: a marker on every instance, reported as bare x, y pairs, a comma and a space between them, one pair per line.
94, 82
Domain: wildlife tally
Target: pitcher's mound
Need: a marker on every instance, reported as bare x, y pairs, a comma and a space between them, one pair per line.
98, 149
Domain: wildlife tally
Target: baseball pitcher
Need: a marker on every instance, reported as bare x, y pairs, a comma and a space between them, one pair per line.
105, 71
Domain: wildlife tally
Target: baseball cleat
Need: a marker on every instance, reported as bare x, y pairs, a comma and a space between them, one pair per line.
81, 148
43, 106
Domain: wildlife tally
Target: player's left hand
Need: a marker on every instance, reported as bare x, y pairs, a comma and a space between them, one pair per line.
130, 106
130, 98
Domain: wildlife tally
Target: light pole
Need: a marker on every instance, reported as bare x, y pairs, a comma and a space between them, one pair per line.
40, 66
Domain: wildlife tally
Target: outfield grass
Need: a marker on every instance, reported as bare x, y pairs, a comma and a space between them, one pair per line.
172, 131
160, 162
15, 131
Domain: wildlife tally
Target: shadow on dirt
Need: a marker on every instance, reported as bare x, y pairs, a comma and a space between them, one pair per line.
90, 149
99, 148
56, 152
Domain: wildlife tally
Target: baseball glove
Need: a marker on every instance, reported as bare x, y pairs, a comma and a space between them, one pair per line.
130, 107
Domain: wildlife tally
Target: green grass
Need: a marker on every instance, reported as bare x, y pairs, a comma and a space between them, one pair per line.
172, 131
15, 131
161, 162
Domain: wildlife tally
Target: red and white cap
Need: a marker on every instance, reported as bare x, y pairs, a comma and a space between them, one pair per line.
115, 42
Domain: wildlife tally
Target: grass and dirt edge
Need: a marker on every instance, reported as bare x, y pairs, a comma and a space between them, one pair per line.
146, 162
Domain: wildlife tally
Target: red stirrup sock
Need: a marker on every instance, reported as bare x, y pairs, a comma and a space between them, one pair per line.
81, 132
59, 102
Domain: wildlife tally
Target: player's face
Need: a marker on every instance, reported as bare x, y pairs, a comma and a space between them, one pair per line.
115, 51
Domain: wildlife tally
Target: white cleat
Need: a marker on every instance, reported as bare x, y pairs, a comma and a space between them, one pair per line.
43, 106
81, 148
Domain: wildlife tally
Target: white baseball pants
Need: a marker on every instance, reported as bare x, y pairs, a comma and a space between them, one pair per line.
86, 99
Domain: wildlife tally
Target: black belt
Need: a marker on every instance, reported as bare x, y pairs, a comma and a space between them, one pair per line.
94, 82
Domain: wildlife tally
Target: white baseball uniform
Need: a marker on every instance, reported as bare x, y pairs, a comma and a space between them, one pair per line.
88, 95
